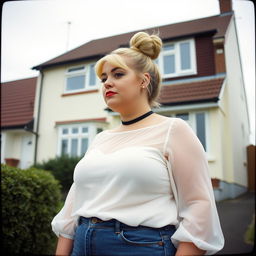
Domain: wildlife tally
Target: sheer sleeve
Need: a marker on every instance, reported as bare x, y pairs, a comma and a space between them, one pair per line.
197, 213
64, 223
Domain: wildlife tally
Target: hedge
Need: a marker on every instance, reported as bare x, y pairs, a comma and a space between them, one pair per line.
62, 168
30, 200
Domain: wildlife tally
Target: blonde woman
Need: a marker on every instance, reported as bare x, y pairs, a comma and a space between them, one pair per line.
142, 188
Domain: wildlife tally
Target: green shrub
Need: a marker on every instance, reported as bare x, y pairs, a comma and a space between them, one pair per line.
30, 200
62, 168
250, 232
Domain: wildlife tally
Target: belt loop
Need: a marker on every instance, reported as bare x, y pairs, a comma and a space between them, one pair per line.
117, 227
164, 235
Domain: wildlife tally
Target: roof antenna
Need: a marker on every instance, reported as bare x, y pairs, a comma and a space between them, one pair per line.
68, 34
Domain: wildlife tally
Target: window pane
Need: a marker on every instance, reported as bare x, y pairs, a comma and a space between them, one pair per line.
64, 147
92, 80
169, 65
84, 146
185, 58
183, 116
65, 131
75, 83
168, 47
200, 128
74, 145
85, 130
74, 130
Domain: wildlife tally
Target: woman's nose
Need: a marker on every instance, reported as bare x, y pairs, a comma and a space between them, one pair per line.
108, 83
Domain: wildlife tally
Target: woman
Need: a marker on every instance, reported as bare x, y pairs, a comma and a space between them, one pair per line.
142, 188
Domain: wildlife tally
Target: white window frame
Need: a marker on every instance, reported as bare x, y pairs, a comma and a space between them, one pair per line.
207, 127
84, 71
92, 131
3, 144
176, 53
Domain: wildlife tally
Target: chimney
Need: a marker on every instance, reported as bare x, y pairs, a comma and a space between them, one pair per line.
225, 6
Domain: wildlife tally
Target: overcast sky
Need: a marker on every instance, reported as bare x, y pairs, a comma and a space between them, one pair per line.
35, 31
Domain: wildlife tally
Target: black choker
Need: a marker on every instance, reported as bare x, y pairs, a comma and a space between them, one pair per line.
137, 119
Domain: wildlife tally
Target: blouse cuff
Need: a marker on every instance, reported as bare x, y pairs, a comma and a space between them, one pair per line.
182, 235
66, 236
65, 228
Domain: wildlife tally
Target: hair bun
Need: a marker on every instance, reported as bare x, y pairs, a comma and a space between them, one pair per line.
150, 45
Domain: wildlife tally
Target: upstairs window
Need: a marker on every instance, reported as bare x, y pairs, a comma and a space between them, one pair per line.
177, 59
80, 78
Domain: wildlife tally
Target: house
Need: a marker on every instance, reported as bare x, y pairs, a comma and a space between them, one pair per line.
17, 111
202, 84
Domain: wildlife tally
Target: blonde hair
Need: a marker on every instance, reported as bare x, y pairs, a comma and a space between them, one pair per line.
144, 48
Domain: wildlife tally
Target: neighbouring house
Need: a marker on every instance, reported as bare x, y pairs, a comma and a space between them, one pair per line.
17, 111
202, 84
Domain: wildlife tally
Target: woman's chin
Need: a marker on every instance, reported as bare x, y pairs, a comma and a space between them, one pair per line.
114, 106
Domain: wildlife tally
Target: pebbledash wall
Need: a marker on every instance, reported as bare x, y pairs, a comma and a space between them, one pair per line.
235, 132
57, 109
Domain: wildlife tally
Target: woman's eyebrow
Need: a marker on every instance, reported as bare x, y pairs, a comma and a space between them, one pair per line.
112, 70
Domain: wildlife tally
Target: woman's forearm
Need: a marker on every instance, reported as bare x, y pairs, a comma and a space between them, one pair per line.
64, 246
186, 248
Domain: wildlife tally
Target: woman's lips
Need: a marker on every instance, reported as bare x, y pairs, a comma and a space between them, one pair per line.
110, 94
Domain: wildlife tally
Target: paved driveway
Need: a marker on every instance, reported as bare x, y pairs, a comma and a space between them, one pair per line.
235, 216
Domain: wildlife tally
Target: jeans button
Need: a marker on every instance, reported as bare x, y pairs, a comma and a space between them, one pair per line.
94, 220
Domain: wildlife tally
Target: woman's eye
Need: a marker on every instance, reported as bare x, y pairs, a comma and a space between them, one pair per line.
103, 80
118, 75
115, 75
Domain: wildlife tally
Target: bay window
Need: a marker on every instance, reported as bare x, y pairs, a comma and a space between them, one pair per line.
73, 140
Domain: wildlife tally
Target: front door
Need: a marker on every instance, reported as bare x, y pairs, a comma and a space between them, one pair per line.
26, 152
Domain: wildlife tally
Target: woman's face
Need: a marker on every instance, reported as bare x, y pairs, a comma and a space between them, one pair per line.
121, 87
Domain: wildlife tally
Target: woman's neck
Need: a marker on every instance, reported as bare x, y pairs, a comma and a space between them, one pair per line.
150, 120
130, 115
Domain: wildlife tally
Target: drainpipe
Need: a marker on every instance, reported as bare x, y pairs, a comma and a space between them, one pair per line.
38, 115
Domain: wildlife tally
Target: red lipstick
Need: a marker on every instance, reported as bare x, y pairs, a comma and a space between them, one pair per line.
110, 94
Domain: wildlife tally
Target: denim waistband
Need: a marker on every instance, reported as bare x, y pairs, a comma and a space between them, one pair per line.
117, 225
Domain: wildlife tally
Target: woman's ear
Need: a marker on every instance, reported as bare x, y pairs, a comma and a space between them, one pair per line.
145, 80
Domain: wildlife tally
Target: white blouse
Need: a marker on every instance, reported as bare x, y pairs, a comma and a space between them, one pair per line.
152, 176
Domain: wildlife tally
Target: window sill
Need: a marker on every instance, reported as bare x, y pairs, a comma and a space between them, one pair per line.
77, 93
178, 75
210, 158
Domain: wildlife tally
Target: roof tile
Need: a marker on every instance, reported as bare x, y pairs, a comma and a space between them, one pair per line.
207, 90
17, 102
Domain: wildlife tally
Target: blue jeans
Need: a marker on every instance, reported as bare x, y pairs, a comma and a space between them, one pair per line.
94, 237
